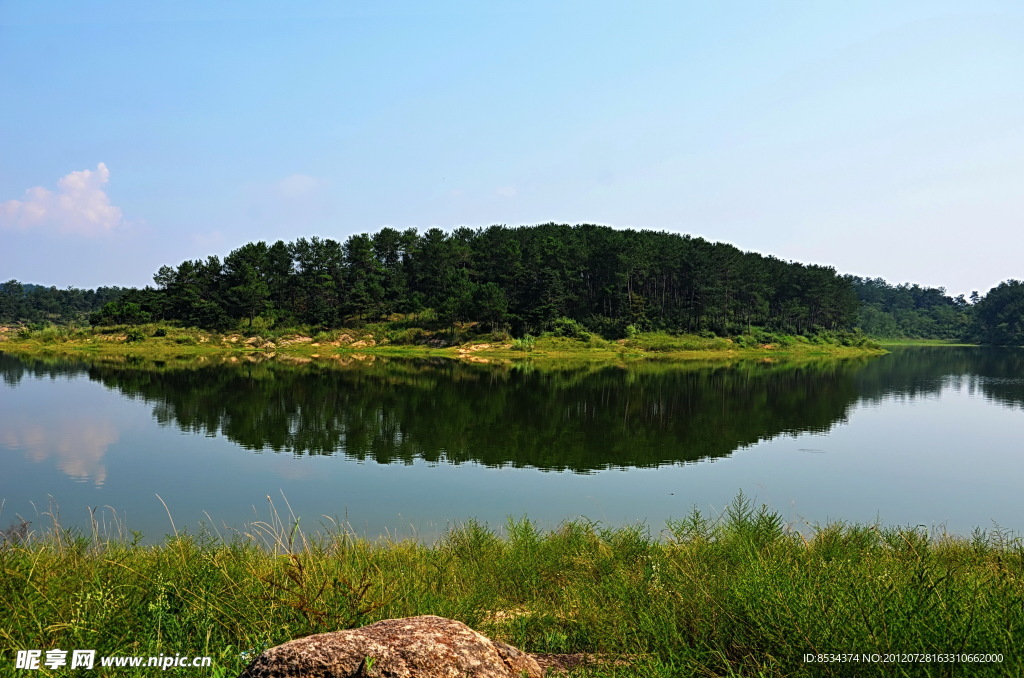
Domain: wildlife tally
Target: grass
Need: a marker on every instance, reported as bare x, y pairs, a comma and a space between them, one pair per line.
741, 594
922, 342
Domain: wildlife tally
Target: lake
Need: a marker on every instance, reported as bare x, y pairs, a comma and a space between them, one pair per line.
923, 436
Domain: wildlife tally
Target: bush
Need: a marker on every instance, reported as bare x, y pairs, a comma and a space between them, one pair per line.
667, 343
160, 332
427, 316
51, 334
745, 341
525, 344
567, 327
408, 336
260, 326
135, 334
606, 327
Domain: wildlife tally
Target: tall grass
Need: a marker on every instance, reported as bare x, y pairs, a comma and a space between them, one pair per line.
664, 342
736, 594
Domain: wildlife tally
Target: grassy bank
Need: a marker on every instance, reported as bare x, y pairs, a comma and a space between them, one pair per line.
163, 342
740, 594
922, 342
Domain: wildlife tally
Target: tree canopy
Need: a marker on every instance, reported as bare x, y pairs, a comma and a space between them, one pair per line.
907, 310
522, 278
526, 279
1000, 315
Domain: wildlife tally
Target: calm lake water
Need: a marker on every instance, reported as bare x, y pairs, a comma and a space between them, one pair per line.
923, 436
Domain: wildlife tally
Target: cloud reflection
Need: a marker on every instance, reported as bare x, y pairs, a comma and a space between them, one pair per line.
77, 445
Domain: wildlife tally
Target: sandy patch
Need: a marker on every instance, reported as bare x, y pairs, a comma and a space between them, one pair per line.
473, 348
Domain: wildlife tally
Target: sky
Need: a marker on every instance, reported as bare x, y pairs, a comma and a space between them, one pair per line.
885, 139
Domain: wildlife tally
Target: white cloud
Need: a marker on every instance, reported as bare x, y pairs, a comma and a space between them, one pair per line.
508, 191
298, 185
79, 206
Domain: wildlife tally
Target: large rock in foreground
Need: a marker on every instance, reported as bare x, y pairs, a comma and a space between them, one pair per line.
416, 647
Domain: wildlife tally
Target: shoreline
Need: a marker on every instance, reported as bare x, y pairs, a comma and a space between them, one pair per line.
165, 344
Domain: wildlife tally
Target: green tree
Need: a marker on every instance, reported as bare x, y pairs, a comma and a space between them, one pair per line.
12, 301
365, 277
1000, 315
320, 282
490, 305
245, 272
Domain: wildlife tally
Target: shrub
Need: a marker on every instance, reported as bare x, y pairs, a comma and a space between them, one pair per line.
525, 344
745, 341
410, 335
663, 342
260, 325
501, 337
135, 334
51, 333
567, 327
606, 327
160, 332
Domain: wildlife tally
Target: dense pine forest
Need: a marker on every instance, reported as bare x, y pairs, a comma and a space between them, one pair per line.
525, 280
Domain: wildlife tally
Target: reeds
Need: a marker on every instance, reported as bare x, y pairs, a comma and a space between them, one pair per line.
737, 594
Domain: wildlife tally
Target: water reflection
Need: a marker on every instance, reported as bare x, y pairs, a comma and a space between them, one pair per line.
76, 444
392, 411
915, 372
582, 419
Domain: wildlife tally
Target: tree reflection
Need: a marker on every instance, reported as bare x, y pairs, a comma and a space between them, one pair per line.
580, 419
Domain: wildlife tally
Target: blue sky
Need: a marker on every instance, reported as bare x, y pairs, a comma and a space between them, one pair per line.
885, 139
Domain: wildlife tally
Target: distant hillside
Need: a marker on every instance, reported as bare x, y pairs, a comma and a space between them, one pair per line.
910, 311
27, 302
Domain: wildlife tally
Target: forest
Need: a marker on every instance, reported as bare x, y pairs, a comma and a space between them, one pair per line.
524, 280
911, 311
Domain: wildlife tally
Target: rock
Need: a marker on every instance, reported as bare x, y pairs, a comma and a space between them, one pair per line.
416, 647
296, 340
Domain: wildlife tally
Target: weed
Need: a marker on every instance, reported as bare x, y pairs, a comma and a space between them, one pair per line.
526, 343
740, 593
